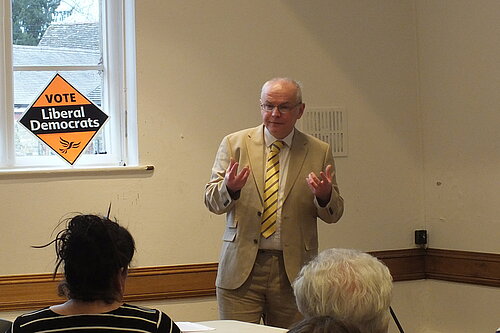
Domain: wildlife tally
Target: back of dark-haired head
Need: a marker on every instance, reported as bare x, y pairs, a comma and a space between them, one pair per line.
324, 324
93, 250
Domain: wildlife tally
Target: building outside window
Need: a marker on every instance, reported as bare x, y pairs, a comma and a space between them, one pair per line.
90, 43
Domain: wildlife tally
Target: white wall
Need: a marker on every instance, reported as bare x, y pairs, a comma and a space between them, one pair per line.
431, 306
200, 65
458, 49
209, 60
460, 102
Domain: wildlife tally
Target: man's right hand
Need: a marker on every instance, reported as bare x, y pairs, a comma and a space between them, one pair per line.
234, 180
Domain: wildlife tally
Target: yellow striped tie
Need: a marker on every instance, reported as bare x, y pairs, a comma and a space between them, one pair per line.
271, 186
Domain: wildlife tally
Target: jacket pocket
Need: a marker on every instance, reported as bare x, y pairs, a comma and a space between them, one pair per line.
230, 232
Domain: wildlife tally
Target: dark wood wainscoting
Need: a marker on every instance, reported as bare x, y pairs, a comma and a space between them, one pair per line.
30, 291
462, 266
404, 265
33, 291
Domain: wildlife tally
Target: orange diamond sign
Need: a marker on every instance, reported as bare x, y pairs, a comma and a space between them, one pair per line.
64, 119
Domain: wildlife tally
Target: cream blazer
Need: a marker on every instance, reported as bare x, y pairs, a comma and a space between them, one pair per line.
299, 233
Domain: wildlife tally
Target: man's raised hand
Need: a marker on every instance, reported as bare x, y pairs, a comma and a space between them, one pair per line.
234, 180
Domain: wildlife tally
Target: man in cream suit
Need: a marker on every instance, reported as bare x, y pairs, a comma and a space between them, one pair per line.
272, 182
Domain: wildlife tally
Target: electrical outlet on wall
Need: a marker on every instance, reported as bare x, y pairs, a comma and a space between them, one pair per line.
421, 237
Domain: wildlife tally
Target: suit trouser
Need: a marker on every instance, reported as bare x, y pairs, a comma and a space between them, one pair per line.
266, 294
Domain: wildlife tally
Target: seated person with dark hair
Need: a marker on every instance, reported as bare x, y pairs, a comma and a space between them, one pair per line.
95, 253
348, 285
324, 324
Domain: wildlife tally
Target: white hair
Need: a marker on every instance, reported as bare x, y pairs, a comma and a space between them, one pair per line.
348, 285
297, 85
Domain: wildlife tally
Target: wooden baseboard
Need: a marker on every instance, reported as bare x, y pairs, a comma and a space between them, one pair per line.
30, 291
165, 282
408, 264
462, 266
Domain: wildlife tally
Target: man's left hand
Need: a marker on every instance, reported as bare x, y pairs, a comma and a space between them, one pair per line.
321, 187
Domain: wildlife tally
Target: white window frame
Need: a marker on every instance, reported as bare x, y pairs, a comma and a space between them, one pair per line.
119, 92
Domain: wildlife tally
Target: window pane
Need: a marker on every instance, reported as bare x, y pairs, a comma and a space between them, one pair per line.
51, 56
56, 33
66, 37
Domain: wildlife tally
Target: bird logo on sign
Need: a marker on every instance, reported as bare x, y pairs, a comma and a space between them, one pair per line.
67, 145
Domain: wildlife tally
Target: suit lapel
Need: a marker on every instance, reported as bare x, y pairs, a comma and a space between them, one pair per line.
298, 153
256, 151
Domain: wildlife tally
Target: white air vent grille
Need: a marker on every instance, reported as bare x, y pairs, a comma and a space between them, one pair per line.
329, 125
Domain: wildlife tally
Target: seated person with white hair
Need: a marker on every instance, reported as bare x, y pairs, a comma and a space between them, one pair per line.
349, 285
323, 324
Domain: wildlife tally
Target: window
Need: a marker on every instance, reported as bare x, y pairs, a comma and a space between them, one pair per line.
90, 43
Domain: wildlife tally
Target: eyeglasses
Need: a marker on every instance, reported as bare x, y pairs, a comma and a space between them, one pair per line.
281, 108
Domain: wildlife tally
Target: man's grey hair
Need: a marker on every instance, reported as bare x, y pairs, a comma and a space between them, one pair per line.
297, 84
346, 284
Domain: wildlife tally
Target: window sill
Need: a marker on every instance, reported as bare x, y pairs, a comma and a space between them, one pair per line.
88, 171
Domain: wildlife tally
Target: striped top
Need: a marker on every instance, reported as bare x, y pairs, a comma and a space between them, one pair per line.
126, 318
